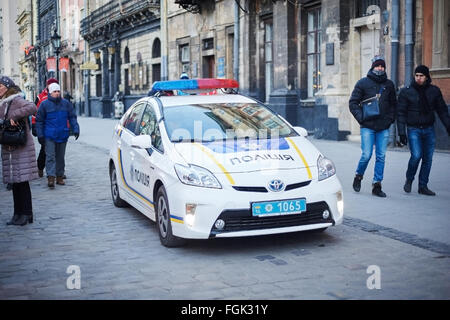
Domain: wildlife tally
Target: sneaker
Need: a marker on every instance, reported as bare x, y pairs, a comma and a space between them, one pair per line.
426, 191
357, 182
376, 190
407, 186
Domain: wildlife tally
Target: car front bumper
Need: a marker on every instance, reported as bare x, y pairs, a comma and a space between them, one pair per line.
234, 208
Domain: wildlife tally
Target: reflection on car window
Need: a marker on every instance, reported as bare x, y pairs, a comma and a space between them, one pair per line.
149, 125
132, 120
224, 121
148, 122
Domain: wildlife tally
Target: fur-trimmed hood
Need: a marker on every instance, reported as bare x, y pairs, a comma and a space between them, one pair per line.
10, 98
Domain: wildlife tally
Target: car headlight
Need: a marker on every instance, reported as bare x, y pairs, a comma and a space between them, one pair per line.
197, 176
325, 167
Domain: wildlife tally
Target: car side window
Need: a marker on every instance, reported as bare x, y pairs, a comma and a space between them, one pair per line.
131, 123
150, 126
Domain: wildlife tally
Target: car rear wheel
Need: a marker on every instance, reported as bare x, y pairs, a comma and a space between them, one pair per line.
163, 221
117, 200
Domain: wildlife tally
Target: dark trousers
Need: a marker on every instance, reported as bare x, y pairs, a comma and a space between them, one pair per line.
41, 158
22, 198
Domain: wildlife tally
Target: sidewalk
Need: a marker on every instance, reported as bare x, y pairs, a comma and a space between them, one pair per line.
422, 216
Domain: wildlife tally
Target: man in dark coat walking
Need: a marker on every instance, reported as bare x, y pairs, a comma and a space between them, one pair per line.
416, 106
374, 131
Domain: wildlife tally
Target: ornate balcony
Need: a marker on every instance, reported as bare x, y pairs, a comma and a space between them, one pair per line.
118, 16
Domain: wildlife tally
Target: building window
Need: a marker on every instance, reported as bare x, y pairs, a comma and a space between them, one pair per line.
156, 49
185, 58
268, 57
314, 40
208, 44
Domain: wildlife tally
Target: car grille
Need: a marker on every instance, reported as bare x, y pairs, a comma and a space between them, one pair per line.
263, 189
242, 220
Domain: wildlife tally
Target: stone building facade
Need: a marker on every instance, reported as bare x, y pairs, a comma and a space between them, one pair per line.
121, 37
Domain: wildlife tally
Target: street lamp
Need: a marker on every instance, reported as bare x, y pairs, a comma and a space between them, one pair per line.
56, 42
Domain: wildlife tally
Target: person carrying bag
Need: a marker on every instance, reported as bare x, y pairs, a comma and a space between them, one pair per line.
12, 135
373, 103
18, 161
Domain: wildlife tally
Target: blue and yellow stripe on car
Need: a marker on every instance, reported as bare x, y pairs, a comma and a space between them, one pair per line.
176, 219
302, 157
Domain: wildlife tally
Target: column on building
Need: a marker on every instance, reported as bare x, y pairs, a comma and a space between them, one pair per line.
106, 98
284, 98
332, 98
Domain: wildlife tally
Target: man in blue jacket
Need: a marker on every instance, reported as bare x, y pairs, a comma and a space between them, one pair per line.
51, 129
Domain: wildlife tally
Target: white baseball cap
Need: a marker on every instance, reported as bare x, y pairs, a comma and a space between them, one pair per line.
53, 87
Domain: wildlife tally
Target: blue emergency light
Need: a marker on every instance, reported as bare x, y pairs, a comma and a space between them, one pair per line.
195, 84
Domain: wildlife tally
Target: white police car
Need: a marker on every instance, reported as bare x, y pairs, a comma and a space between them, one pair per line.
219, 165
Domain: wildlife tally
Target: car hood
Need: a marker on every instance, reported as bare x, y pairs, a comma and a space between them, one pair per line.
237, 156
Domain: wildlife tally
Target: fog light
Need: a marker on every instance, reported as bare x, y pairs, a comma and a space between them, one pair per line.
340, 202
190, 213
190, 208
326, 214
220, 224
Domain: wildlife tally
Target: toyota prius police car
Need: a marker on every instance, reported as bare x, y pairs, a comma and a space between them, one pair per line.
203, 161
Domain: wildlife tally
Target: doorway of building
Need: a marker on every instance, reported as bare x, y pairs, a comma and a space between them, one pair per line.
208, 66
370, 46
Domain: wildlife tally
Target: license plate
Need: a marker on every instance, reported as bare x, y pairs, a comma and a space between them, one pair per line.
277, 208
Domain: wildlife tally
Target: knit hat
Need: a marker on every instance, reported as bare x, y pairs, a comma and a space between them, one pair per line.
50, 81
378, 61
423, 70
7, 82
53, 87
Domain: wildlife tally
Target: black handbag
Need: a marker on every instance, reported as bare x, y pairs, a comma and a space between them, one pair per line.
371, 107
12, 135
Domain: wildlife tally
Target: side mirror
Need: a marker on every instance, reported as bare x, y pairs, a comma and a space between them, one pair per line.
301, 131
141, 142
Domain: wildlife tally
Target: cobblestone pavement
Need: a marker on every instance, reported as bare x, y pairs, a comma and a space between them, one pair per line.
120, 257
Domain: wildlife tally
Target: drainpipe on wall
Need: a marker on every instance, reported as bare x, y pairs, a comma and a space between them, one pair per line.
409, 41
395, 23
164, 41
236, 42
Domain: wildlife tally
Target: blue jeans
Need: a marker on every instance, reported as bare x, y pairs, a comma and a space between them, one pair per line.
54, 160
369, 139
421, 146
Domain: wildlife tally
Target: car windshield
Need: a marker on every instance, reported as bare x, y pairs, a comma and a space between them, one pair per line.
225, 121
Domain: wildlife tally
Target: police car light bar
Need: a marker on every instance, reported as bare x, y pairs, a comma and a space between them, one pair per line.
195, 84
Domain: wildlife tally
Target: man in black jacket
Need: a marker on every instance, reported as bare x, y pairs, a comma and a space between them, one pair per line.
416, 106
374, 131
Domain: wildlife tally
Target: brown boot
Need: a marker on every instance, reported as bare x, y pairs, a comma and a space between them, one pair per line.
60, 180
51, 182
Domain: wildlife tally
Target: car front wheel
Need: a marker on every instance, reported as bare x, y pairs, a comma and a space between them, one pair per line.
163, 221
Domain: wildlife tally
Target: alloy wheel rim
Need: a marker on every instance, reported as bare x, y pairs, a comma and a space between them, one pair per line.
163, 217
114, 187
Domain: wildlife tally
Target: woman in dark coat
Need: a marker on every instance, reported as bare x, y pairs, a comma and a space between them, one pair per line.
18, 162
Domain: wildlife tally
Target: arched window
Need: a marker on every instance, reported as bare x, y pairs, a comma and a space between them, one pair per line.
156, 49
127, 55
